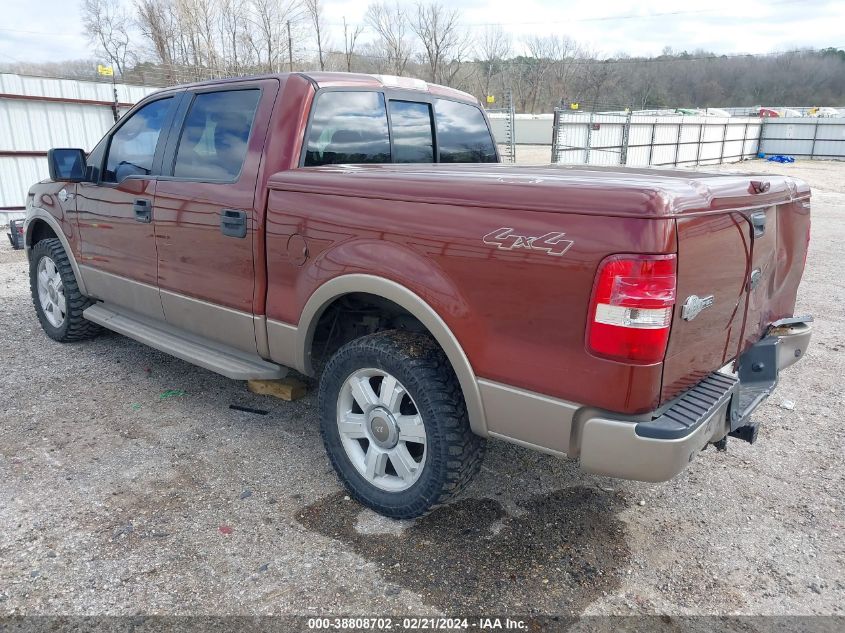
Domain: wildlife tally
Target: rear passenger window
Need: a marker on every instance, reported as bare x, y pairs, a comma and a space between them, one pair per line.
215, 136
412, 137
348, 127
462, 134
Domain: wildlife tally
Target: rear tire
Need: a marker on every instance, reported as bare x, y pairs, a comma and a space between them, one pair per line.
58, 302
394, 424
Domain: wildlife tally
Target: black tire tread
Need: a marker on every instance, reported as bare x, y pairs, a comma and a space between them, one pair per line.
424, 357
77, 327
426, 360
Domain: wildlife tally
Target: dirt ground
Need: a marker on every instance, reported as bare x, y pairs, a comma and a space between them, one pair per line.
130, 486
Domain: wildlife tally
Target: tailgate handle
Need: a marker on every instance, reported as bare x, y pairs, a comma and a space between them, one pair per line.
758, 221
760, 186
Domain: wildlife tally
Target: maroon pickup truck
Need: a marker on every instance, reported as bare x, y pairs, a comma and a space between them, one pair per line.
358, 228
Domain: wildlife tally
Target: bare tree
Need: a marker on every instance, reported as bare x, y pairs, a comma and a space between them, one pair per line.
598, 80
270, 42
392, 39
191, 39
107, 25
494, 47
444, 41
232, 29
157, 22
547, 69
315, 13
350, 38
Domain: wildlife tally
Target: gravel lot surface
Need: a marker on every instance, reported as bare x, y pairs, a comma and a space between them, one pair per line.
121, 497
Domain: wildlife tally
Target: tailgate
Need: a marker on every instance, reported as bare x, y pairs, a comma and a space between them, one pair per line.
738, 271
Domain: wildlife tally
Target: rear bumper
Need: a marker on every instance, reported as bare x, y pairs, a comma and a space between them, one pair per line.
659, 448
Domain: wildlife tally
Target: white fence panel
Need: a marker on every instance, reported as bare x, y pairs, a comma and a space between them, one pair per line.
71, 89
38, 113
528, 129
31, 126
804, 137
643, 140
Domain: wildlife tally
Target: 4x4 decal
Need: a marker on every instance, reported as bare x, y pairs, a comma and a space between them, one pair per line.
551, 243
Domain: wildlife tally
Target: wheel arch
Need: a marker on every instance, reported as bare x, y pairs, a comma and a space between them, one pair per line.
39, 225
335, 288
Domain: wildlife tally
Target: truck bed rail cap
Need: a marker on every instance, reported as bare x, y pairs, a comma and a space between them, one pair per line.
551, 188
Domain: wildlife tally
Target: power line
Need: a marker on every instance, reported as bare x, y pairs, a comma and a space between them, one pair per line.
604, 18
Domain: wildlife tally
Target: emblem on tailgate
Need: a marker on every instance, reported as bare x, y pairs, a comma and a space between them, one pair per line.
695, 304
550, 243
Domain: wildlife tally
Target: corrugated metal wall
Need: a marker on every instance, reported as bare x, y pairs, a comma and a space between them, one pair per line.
804, 138
71, 89
38, 113
529, 129
616, 139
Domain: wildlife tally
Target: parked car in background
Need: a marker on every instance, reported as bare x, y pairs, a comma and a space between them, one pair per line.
717, 112
765, 113
358, 228
789, 112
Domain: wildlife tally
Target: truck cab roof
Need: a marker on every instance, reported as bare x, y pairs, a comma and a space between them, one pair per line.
352, 81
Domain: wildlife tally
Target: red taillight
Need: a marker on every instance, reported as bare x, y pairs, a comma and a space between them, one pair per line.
631, 311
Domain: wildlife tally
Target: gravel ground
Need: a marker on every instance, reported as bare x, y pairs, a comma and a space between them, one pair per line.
122, 497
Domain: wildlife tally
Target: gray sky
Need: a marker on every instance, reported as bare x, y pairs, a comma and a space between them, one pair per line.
51, 30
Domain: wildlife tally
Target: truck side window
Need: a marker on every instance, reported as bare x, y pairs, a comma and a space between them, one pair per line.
412, 136
462, 134
133, 145
348, 127
215, 135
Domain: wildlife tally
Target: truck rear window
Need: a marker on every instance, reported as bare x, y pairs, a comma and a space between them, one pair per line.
348, 127
462, 134
352, 127
412, 136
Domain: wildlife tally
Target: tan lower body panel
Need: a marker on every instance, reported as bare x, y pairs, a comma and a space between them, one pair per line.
606, 444
284, 341
527, 418
220, 358
208, 320
127, 293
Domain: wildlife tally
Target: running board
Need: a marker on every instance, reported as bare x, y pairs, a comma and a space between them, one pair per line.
225, 360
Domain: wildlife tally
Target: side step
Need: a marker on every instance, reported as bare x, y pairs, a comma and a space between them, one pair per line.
230, 362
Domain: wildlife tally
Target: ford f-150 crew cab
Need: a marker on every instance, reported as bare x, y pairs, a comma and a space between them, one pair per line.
358, 228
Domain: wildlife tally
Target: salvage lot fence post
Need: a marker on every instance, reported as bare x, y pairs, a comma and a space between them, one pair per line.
644, 140
507, 115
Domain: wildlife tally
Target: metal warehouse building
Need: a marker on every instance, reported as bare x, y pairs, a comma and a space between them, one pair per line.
37, 113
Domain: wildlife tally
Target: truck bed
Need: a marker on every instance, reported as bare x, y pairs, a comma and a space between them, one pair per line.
704, 218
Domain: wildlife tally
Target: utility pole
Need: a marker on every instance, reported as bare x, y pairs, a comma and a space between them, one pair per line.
114, 90
290, 50
346, 46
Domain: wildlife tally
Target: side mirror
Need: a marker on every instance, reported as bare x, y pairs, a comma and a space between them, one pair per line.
67, 164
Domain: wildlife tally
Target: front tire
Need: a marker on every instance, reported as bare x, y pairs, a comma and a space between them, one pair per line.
394, 424
58, 302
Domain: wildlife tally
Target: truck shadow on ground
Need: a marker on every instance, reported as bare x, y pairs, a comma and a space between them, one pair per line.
561, 552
